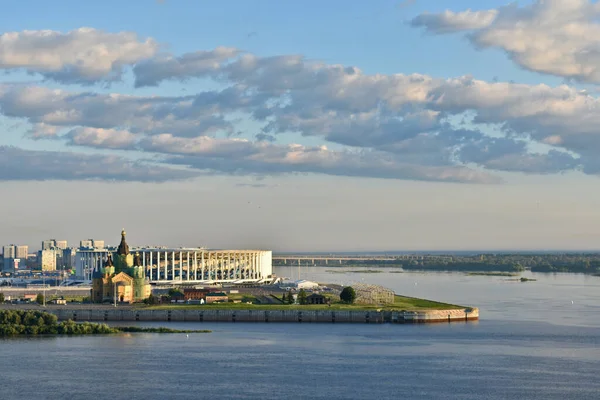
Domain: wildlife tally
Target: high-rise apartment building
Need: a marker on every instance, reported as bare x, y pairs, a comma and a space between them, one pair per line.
91, 244
54, 244
47, 259
21, 252
9, 251
68, 258
13, 257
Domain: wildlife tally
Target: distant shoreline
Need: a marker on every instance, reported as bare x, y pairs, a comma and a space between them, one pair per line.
587, 263
432, 252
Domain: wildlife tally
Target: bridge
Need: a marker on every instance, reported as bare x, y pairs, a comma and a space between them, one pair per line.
282, 260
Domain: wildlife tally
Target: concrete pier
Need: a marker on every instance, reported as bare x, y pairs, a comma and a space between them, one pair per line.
322, 316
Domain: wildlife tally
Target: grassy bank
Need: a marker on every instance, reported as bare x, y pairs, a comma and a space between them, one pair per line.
400, 303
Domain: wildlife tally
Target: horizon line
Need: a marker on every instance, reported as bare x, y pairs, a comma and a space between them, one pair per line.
480, 251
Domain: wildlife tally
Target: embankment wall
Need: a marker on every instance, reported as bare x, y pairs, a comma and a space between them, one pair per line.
199, 315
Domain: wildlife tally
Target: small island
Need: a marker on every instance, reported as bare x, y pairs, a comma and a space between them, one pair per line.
523, 279
492, 273
32, 323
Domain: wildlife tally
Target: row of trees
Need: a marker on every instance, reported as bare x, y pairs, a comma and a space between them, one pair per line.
28, 322
289, 297
20, 322
348, 296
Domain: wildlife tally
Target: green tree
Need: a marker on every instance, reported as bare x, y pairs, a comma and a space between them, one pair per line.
290, 298
348, 295
50, 319
152, 299
175, 292
302, 297
1, 297
39, 298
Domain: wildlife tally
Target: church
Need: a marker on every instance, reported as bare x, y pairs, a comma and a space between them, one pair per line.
122, 278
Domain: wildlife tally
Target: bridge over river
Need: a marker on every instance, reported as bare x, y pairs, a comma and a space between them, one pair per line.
295, 259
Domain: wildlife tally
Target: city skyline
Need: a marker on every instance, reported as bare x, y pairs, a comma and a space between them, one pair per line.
343, 126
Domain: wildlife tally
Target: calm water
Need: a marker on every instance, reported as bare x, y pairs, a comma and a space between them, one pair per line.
536, 340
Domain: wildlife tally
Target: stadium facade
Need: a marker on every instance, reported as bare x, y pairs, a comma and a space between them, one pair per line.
186, 265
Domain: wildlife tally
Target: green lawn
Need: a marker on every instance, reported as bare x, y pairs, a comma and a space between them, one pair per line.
401, 303
412, 303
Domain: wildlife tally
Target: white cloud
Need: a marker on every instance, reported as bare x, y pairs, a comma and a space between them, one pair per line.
235, 156
83, 55
505, 154
186, 116
244, 157
449, 21
557, 37
102, 138
407, 120
43, 131
199, 63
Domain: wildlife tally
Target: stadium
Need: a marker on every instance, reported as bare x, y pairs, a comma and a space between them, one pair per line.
185, 265
189, 265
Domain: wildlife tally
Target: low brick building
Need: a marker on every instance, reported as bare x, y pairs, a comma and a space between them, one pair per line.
194, 294
199, 294
216, 297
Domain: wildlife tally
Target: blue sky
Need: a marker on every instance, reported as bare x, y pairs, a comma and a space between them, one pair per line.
473, 151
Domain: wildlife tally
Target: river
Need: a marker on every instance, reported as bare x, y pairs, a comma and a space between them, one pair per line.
535, 340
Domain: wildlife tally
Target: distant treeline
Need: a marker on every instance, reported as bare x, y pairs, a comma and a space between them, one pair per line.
582, 263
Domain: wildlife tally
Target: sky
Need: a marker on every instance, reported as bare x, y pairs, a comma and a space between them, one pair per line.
302, 126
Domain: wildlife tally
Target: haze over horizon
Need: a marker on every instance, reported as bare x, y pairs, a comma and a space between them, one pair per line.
302, 126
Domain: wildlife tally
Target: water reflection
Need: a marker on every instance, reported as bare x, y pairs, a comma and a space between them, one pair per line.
491, 360
532, 342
